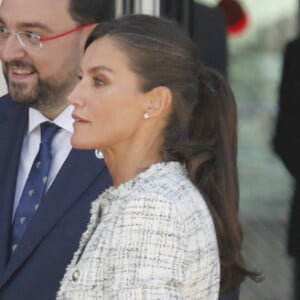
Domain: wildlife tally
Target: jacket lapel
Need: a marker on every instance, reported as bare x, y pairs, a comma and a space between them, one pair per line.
13, 123
77, 173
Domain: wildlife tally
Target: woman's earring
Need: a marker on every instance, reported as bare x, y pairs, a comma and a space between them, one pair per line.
146, 116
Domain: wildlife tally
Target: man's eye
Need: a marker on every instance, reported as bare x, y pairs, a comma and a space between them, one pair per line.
4, 29
31, 35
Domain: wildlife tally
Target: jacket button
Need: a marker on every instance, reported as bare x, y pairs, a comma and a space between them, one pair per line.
76, 275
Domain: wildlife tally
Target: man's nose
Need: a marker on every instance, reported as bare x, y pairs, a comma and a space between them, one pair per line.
11, 49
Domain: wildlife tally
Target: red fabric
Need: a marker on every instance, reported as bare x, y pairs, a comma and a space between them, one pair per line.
235, 16
239, 26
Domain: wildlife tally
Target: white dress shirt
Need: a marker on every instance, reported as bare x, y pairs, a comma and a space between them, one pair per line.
61, 147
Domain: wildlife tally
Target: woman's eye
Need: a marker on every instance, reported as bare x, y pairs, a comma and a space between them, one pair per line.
99, 81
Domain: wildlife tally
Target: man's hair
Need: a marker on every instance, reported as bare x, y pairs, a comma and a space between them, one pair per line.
91, 11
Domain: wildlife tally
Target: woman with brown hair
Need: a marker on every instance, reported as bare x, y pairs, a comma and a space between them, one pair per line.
166, 125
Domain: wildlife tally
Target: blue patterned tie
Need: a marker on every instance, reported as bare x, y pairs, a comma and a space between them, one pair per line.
35, 185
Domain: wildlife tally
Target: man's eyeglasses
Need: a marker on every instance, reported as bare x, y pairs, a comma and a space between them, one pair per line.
34, 40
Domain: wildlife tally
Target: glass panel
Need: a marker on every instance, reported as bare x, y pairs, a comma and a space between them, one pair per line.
265, 185
255, 65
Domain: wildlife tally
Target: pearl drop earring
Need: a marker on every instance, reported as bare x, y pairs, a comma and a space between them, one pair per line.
146, 116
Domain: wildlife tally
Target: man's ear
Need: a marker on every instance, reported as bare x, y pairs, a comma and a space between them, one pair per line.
159, 101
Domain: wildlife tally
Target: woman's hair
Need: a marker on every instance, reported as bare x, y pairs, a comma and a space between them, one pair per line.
202, 127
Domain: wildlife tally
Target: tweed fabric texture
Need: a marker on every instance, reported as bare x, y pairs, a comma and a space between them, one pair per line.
149, 238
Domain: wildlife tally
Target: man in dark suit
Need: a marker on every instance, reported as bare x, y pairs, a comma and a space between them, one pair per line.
41, 42
286, 143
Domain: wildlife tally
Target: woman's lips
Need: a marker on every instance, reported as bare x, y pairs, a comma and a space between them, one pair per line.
79, 119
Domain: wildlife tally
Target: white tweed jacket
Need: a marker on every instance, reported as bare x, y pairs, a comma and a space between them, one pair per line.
149, 238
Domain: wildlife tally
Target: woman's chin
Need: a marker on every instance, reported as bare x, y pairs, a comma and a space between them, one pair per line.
79, 143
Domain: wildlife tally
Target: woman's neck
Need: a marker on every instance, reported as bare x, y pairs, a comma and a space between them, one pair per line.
128, 163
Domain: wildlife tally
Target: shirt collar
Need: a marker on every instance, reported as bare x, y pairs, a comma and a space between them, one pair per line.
63, 120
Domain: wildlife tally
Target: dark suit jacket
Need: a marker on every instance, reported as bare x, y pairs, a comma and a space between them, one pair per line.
35, 269
287, 134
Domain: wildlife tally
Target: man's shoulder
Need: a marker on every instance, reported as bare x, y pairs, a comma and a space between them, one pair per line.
11, 112
293, 45
7, 103
6, 100
5, 97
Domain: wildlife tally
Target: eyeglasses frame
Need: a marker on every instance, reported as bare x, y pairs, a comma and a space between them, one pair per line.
43, 40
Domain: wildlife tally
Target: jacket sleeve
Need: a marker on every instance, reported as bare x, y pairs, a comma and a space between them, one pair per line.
286, 140
152, 259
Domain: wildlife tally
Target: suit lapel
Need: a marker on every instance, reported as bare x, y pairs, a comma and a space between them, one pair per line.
13, 123
77, 173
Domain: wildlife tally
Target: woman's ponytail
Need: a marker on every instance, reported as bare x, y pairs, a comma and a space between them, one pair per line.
213, 169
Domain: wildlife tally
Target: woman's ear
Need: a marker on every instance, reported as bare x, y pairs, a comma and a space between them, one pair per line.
159, 101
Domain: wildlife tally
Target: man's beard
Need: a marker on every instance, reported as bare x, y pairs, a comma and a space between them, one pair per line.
45, 94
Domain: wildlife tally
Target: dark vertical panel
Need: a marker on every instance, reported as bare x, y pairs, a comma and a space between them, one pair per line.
207, 27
